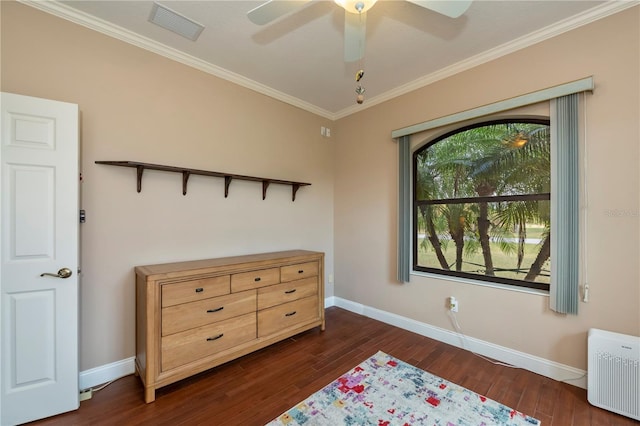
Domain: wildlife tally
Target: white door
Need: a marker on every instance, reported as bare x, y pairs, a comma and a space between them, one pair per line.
39, 185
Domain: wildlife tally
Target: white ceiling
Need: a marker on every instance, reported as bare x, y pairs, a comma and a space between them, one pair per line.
299, 58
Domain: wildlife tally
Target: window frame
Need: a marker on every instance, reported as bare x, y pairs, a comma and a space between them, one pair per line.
516, 284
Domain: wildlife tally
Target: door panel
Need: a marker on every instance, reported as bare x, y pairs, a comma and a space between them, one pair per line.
32, 341
39, 231
32, 229
30, 131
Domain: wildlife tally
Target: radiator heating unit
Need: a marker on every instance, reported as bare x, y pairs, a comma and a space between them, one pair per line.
613, 380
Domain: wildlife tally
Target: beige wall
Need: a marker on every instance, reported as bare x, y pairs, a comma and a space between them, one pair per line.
139, 106
365, 196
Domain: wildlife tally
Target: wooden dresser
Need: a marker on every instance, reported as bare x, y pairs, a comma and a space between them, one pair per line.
192, 316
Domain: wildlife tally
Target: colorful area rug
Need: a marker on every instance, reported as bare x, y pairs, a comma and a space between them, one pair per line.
384, 391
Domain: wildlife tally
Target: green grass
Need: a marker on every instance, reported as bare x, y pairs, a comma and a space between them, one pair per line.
535, 231
473, 262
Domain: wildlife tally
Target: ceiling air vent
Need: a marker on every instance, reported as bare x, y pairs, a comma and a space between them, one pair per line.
173, 21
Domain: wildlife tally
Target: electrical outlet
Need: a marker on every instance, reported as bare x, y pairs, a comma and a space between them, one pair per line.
453, 304
325, 131
86, 394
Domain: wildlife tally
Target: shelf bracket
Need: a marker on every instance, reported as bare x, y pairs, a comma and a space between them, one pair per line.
294, 189
265, 185
139, 170
185, 179
227, 182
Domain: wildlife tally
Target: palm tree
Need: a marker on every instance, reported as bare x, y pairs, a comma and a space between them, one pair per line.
543, 256
481, 149
443, 174
489, 160
508, 155
526, 169
426, 189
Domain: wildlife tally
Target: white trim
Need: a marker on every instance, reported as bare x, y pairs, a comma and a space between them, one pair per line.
115, 370
106, 373
70, 14
554, 370
329, 302
462, 280
582, 85
571, 23
63, 11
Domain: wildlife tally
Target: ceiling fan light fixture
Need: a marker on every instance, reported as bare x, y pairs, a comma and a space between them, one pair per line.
355, 6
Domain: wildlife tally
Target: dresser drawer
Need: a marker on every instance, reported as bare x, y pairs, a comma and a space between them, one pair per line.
299, 271
273, 320
190, 291
190, 345
287, 292
195, 314
254, 279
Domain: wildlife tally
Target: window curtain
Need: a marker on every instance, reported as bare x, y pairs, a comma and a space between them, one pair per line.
565, 175
404, 209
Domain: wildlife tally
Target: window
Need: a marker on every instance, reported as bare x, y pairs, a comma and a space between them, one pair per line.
481, 203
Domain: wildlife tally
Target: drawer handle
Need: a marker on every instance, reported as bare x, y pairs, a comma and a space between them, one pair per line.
199, 290
256, 279
301, 271
215, 310
210, 339
290, 291
290, 314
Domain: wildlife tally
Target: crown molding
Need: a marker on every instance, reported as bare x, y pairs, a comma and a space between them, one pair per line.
68, 13
576, 21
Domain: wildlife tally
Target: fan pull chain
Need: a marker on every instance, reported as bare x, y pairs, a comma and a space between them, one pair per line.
359, 89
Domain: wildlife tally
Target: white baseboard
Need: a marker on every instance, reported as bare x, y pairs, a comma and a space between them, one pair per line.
329, 302
115, 370
106, 373
554, 370
573, 376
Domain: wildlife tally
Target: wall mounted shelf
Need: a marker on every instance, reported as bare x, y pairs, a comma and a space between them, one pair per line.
186, 173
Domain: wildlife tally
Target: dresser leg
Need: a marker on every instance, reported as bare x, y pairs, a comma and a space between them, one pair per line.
149, 395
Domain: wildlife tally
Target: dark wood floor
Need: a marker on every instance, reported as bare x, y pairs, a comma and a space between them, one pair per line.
258, 387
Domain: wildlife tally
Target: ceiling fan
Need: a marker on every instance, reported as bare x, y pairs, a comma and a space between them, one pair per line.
355, 17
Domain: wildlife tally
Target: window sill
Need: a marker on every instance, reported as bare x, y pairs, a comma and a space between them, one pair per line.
481, 283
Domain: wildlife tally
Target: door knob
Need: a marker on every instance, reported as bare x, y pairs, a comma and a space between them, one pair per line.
62, 273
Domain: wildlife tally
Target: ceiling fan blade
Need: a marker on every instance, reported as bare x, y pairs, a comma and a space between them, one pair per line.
272, 10
355, 26
450, 8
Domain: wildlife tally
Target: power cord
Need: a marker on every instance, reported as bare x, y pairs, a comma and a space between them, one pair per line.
458, 330
573, 378
87, 393
456, 325
102, 387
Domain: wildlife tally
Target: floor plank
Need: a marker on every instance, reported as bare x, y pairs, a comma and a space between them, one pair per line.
258, 387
